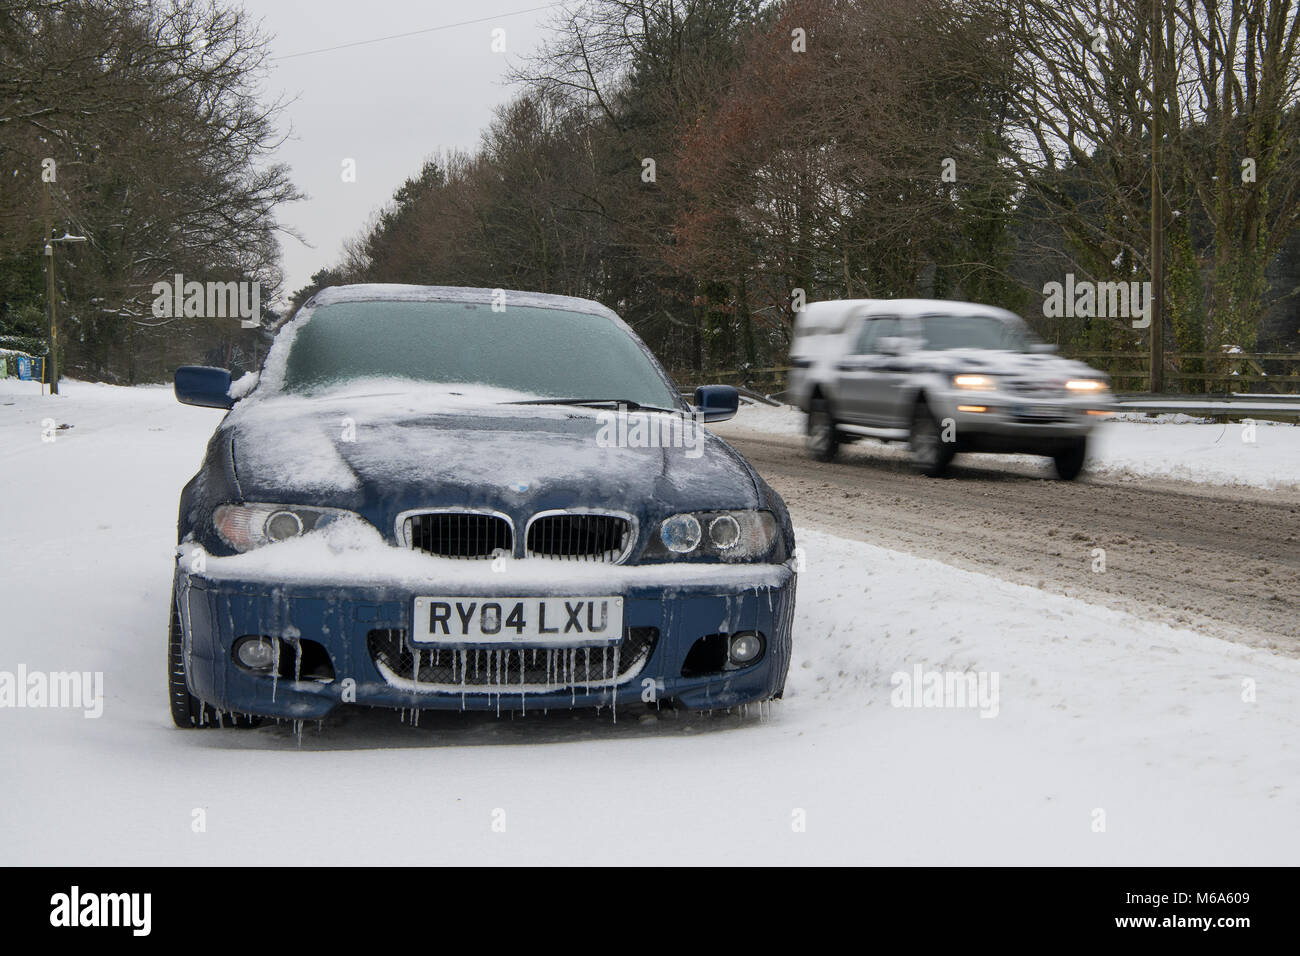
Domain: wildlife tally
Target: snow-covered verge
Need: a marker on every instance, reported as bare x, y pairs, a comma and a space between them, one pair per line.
1186, 745
1175, 447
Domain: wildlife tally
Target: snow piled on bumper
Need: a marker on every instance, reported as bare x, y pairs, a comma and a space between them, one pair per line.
351, 552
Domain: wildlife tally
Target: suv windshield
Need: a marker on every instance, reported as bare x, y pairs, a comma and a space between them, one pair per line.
942, 332
549, 353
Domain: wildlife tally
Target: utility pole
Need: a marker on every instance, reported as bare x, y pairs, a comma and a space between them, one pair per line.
51, 357
1157, 302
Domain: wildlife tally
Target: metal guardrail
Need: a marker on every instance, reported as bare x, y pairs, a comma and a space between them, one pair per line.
1263, 406
1238, 405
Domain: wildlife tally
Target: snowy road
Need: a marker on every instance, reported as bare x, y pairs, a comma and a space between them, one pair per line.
1182, 746
1223, 559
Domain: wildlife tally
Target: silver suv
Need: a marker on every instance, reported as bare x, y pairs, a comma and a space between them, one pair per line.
946, 377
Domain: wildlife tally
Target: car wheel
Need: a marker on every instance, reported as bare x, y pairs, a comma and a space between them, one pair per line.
931, 455
1069, 460
188, 712
823, 437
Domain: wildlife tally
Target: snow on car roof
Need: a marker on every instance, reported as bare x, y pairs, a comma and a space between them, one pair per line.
830, 315
396, 292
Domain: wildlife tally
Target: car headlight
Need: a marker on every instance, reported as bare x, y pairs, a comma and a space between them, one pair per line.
975, 383
248, 526
1087, 386
720, 535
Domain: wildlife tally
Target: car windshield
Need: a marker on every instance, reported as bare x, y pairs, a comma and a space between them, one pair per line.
547, 353
942, 332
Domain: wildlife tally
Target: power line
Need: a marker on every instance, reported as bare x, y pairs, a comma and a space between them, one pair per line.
412, 33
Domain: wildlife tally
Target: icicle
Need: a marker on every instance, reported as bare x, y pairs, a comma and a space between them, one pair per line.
613, 690
463, 661
573, 675
523, 683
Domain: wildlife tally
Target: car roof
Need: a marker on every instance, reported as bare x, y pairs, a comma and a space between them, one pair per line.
397, 292
831, 315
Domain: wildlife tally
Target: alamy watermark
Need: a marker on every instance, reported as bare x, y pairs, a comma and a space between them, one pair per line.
940, 689
626, 428
82, 690
75, 909
208, 300
1086, 299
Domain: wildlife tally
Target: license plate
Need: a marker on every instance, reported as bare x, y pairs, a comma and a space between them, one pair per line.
1040, 411
538, 621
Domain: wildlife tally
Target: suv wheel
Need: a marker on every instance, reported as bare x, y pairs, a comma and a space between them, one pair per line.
1069, 460
823, 437
931, 455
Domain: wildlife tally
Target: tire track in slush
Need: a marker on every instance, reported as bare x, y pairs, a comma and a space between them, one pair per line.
1220, 560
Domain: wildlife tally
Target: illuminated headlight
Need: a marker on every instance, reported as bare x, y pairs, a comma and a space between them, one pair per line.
244, 527
975, 383
722, 535
1087, 386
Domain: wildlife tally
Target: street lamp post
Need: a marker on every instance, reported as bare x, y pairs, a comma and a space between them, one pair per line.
1157, 302
52, 360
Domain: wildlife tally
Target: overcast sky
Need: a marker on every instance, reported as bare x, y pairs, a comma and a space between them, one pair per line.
387, 105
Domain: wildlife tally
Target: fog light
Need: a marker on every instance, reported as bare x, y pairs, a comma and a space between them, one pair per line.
256, 653
745, 648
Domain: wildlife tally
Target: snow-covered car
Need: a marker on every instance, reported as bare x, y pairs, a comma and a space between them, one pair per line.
946, 377
449, 498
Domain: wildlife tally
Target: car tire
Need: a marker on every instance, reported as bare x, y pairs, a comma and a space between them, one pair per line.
823, 435
1069, 460
188, 712
931, 455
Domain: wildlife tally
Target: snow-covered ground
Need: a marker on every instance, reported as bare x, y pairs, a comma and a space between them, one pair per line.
1185, 747
1176, 447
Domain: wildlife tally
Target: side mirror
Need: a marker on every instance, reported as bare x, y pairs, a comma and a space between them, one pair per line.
895, 345
716, 403
203, 385
1043, 348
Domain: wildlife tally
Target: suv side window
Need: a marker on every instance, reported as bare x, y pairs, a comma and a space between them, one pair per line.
873, 330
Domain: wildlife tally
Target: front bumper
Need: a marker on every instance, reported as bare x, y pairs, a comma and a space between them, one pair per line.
344, 620
1001, 422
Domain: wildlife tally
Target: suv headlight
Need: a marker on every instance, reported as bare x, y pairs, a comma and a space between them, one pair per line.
975, 383
1087, 386
248, 526
720, 535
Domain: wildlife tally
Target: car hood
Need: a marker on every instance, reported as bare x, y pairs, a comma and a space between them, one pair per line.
381, 455
1032, 366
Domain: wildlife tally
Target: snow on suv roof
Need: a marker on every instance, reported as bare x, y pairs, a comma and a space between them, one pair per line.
831, 315
394, 292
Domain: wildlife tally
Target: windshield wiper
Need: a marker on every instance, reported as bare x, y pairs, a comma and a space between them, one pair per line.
625, 402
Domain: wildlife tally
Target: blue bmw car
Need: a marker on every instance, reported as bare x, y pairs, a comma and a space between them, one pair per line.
435, 497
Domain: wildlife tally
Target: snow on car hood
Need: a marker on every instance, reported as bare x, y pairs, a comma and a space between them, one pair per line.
1038, 366
414, 448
